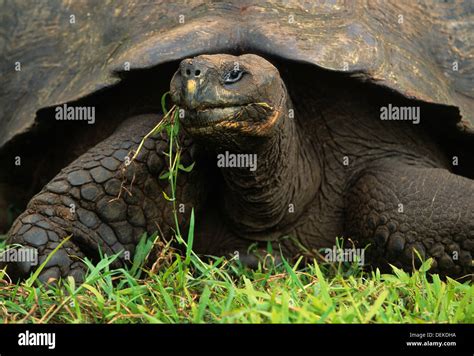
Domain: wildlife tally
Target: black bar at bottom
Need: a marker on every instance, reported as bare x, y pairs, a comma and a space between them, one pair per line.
136, 339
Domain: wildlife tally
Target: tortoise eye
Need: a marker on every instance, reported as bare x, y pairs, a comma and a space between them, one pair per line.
233, 76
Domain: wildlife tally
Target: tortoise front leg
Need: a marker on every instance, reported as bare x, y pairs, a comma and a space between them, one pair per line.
103, 203
401, 208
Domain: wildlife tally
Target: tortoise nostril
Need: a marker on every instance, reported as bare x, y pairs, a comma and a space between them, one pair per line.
192, 69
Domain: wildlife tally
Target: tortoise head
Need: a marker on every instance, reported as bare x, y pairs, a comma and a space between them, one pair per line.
228, 96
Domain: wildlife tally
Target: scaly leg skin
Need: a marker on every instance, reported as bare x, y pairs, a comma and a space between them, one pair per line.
427, 209
104, 204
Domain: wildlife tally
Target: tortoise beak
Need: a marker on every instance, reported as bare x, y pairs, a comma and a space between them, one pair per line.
189, 93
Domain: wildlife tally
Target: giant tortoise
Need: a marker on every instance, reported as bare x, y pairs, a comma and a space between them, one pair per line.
306, 121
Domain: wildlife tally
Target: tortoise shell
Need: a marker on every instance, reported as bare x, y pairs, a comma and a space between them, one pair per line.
68, 49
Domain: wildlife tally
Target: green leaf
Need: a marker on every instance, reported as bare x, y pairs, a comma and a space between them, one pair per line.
292, 273
165, 175
167, 197
203, 303
163, 102
323, 284
376, 306
186, 169
166, 297
35, 275
99, 298
269, 247
141, 252
189, 246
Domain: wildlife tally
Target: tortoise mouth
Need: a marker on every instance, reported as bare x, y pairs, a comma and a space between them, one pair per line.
211, 115
254, 119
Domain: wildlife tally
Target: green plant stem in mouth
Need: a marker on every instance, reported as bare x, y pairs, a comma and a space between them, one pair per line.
173, 165
153, 132
171, 123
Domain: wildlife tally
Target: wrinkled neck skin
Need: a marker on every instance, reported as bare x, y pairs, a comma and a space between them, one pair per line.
265, 203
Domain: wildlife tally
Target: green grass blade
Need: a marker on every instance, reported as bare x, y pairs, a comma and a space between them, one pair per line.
189, 246
29, 282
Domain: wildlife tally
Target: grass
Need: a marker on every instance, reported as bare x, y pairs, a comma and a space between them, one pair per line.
181, 287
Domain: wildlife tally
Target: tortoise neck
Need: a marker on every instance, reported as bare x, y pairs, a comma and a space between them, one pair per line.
273, 190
